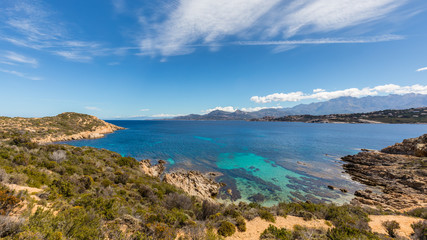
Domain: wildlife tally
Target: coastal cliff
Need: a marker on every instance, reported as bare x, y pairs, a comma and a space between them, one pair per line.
399, 170
63, 127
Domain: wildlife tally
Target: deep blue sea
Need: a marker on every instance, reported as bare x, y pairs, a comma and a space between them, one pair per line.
278, 161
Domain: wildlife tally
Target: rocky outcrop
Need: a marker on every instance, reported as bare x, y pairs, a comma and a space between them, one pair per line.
152, 170
413, 146
97, 132
195, 183
399, 170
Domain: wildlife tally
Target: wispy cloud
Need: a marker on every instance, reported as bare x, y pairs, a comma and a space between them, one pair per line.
32, 24
233, 109
186, 24
144, 110
165, 115
18, 58
91, 108
254, 109
20, 74
320, 94
422, 69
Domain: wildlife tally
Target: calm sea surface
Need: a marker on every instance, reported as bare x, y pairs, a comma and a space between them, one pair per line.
277, 161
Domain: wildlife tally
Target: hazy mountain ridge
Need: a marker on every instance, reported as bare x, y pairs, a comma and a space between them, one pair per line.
334, 106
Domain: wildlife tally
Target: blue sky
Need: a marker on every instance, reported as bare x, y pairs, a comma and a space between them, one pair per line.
124, 58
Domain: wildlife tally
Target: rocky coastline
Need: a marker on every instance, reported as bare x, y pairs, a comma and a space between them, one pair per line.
98, 132
194, 183
398, 171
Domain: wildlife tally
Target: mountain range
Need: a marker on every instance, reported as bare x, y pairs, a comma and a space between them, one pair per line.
334, 106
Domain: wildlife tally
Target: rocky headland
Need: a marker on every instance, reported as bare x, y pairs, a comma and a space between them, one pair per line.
400, 171
194, 183
63, 127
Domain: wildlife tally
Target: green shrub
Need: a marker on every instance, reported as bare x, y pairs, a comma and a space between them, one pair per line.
346, 232
390, 227
241, 224
226, 229
420, 212
272, 232
420, 230
266, 215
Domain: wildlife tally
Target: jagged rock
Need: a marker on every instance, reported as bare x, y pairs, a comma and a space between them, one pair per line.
398, 169
152, 170
412, 146
194, 183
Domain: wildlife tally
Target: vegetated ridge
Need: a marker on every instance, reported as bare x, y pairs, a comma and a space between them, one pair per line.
340, 105
56, 191
63, 127
413, 115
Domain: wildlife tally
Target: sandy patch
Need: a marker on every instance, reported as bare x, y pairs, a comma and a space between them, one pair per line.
255, 227
31, 191
404, 222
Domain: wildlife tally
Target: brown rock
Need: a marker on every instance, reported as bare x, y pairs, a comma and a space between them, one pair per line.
194, 183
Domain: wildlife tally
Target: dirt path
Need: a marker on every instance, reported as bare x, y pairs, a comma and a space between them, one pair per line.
255, 227
404, 222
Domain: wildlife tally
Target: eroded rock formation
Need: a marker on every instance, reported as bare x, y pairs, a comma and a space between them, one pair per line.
400, 170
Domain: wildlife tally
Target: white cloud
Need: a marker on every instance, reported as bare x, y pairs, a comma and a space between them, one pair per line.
20, 74
165, 115
74, 56
350, 92
144, 110
254, 109
15, 57
233, 109
318, 90
92, 108
422, 69
186, 24
225, 109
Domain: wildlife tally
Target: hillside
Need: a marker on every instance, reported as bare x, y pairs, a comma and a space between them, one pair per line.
413, 115
342, 105
63, 127
53, 191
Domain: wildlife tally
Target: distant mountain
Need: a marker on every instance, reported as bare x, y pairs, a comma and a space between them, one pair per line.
334, 106
413, 115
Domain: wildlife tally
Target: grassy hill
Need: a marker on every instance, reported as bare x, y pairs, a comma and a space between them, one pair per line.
65, 126
52, 191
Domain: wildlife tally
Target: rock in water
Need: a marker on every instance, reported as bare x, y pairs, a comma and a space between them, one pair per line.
194, 183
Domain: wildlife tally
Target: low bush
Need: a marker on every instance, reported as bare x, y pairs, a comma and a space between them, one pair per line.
391, 227
7, 201
420, 230
272, 232
241, 224
266, 215
347, 232
226, 229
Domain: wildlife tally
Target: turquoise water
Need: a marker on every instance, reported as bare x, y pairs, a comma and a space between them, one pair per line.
264, 161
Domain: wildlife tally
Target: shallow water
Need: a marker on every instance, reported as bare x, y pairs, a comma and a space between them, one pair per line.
277, 161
